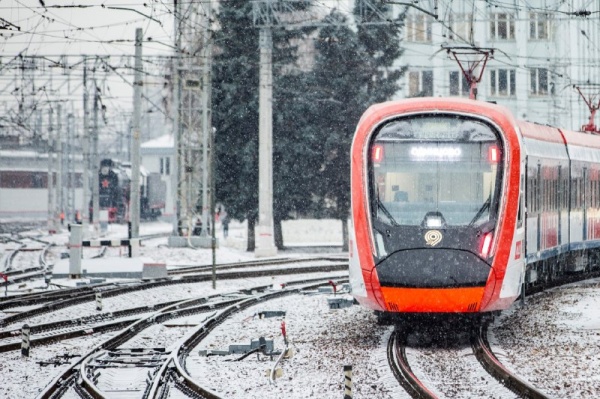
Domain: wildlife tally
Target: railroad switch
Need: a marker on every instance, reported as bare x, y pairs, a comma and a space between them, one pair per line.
261, 345
134, 357
271, 313
339, 303
57, 360
329, 289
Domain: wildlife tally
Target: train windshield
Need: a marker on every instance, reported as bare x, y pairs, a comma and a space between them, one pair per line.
435, 172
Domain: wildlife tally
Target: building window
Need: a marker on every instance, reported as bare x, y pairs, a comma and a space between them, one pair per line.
502, 82
502, 27
460, 27
539, 81
458, 84
539, 25
418, 28
165, 166
420, 84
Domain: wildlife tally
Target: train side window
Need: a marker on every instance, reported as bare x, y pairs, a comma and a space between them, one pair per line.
531, 195
520, 211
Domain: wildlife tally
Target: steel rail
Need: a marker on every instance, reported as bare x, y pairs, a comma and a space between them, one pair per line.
182, 308
489, 361
396, 354
178, 356
266, 262
36, 298
130, 331
9, 259
91, 296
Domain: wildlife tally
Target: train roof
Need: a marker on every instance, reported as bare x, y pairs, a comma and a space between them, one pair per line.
443, 104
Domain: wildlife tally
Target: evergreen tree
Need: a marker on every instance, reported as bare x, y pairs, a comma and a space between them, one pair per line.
383, 45
341, 77
235, 111
295, 156
353, 70
235, 115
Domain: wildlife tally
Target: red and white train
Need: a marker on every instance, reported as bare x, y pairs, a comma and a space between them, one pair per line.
457, 205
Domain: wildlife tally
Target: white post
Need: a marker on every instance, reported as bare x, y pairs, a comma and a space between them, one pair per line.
95, 166
25, 341
75, 251
265, 240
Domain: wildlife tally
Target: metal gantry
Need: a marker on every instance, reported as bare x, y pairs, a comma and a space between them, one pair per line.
192, 124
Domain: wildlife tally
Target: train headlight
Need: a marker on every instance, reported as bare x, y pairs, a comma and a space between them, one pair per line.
434, 222
486, 244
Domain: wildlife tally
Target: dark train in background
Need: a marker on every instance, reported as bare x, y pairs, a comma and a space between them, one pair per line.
114, 191
457, 206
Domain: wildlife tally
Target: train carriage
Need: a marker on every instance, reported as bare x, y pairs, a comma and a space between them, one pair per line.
456, 205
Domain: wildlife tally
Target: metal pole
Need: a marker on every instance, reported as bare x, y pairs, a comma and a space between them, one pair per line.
212, 209
265, 244
95, 166
176, 120
134, 211
85, 141
51, 198
70, 185
207, 124
59, 173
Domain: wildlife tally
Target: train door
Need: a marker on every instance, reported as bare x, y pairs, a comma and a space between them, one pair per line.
515, 270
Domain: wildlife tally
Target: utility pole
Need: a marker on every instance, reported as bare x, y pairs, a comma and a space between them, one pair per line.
192, 129
59, 152
177, 170
51, 198
85, 142
207, 189
70, 186
95, 165
134, 211
265, 240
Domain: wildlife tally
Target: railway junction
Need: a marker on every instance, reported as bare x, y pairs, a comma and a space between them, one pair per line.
268, 330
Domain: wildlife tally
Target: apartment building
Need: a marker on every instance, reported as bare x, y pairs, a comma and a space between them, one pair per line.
541, 49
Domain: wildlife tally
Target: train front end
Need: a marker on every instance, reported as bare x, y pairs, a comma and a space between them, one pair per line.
430, 192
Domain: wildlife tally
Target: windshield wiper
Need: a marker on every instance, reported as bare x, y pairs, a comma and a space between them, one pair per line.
483, 208
386, 212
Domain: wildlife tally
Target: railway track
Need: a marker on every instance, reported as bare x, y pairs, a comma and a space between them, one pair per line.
96, 322
446, 364
167, 367
26, 262
492, 365
60, 300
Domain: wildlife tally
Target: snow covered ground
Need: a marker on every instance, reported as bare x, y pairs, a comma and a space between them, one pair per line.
553, 342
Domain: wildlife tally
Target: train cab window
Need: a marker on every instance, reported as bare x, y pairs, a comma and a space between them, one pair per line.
446, 166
